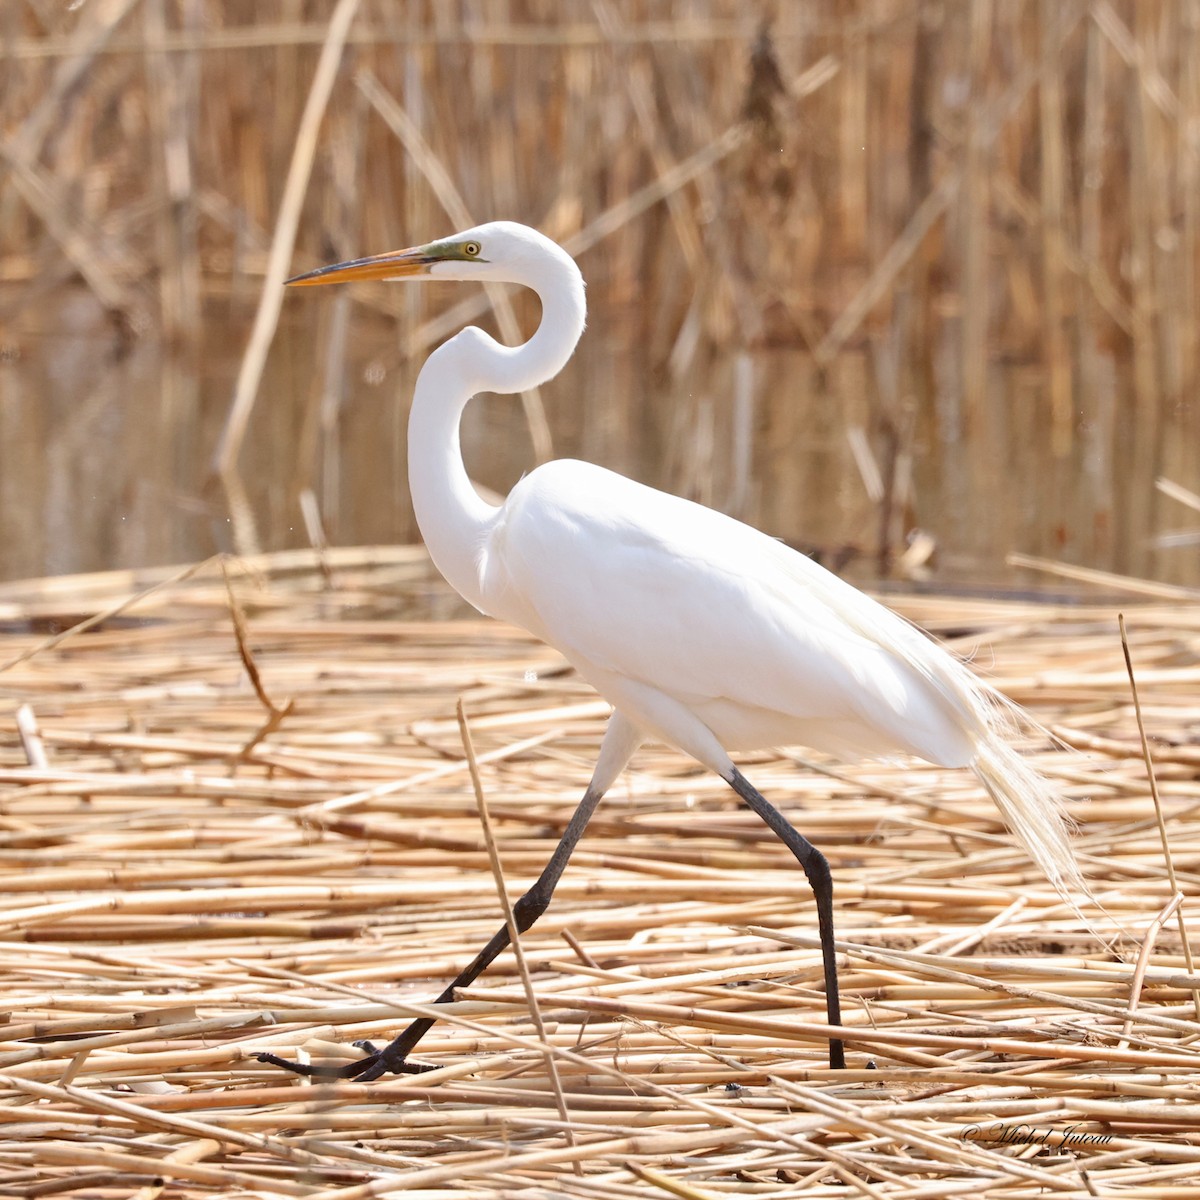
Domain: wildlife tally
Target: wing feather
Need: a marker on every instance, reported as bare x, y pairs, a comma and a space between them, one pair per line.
743, 630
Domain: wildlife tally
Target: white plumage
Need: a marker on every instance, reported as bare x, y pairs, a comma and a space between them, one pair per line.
698, 629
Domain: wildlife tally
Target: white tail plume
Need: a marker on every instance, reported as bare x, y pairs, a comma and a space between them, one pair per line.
1032, 810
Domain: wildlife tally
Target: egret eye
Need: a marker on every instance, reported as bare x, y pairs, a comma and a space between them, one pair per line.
471, 249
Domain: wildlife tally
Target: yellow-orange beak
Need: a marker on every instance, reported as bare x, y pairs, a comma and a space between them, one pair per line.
396, 264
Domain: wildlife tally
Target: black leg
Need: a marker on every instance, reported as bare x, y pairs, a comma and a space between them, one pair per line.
817, 871
526, 911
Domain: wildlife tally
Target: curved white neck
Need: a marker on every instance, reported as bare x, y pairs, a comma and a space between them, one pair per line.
454, 520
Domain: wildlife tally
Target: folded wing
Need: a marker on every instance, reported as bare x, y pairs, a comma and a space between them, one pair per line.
751, 636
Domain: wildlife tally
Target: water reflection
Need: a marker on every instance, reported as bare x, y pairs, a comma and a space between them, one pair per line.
107, 438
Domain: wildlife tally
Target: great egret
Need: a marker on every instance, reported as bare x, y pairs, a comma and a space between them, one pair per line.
699, 630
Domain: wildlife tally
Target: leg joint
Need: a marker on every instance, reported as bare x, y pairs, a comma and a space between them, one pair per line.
531, 906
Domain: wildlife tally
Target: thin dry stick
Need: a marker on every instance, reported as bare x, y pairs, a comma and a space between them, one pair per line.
1143, 961
1158, 813
114, 610
275, 714
284, 238
514, 934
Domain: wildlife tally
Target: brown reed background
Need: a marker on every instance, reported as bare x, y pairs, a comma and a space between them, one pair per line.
888, 267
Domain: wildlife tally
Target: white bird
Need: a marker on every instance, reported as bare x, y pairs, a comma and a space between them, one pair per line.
701, 631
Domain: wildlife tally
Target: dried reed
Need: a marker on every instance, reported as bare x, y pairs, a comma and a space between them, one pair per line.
949, 250
230, 824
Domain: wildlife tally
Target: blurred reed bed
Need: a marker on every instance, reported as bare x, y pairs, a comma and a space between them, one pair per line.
240, 820
910, 284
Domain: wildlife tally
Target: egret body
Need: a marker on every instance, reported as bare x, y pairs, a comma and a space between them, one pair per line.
701, 631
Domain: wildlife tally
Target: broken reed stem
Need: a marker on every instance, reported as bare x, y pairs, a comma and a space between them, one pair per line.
1152, 780
31, 738
514, 934
275, 715
1143, 961
238, 619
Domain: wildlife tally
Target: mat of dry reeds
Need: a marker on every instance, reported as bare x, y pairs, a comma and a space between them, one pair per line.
226, 829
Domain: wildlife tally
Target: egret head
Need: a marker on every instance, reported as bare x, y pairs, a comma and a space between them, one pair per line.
499, 250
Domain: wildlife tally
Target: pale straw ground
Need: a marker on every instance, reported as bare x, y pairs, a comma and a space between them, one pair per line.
195, 870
